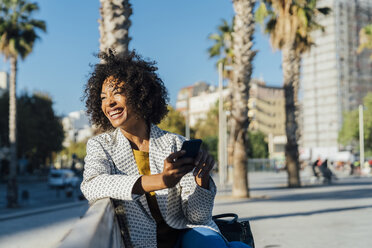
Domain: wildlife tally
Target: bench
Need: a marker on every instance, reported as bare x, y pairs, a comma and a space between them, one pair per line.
99, 228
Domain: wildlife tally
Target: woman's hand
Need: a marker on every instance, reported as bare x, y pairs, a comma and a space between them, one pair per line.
204, 163
175, 168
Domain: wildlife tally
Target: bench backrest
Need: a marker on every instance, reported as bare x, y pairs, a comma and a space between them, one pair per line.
98, 228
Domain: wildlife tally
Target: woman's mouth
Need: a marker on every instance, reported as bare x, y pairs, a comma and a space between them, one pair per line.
116, 113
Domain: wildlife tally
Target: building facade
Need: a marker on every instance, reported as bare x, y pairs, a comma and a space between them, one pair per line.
266, 109
267, 112
77, 128
335, 78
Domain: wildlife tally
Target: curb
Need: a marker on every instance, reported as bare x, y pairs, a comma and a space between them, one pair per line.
41, 210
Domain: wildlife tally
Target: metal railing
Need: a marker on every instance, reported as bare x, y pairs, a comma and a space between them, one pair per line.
98, 228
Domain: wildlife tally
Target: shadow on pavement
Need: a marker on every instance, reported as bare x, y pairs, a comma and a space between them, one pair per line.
300, 194
329, 210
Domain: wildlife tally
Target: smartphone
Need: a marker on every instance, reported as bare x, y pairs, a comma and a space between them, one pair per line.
191, 147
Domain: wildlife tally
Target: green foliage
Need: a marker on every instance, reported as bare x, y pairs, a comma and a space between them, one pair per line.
174, 122
79, 149
208, 127
290, 25
207, 130
18, 31
365, 38
210, 144
257, 146
349, 133
40, 131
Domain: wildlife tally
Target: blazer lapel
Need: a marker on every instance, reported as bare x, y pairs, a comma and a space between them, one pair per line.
122, 155
160, 148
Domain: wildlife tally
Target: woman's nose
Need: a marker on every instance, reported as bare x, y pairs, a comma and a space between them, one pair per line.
110, 101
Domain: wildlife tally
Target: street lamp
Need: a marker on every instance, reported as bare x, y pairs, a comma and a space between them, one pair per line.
361, 137
222, 151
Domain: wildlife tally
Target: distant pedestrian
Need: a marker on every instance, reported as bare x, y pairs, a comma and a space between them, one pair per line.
352, 168
326, 172
317, 162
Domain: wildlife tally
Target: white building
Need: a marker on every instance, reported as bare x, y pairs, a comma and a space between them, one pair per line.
77, 128
200, 98
4, 82
335, 78
266, 109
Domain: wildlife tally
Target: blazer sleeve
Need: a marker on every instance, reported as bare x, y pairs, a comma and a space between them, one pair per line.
98, 181
197, 202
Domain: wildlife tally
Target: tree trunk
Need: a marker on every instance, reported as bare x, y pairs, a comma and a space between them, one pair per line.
296, 88
291, 148
12, 194
114, 25
242, 44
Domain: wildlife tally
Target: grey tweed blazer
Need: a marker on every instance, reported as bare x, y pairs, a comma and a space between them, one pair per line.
111, 171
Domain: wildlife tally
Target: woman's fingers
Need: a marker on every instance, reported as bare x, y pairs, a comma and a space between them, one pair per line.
200, 162
207, 167
185, 169
183, 161
173, 156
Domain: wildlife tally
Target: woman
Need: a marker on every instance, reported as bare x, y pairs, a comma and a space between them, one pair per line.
167, 200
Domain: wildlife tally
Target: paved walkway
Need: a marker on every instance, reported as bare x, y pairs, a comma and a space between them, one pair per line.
315, 216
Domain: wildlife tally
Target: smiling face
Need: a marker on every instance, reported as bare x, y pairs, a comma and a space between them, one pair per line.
114, 106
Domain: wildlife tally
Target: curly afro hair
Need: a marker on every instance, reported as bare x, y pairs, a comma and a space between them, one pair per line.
144, 90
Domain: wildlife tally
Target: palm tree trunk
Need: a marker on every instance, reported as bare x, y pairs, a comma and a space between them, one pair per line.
12, 194
114, 25
291, 148
242, 44
296, 88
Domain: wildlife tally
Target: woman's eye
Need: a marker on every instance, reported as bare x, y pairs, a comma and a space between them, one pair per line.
103, 98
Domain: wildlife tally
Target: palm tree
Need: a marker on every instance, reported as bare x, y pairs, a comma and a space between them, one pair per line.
242, 44
114, 25
365, 38
222, 47
18, 33
289, 25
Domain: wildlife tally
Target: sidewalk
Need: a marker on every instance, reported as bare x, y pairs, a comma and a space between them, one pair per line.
314, 216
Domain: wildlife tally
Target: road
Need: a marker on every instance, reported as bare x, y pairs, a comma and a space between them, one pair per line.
43, 230
40, 195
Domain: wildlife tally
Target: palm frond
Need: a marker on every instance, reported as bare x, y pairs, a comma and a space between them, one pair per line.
290, 22
18, 31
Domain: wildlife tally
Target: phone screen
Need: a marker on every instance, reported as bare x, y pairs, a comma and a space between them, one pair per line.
191, 147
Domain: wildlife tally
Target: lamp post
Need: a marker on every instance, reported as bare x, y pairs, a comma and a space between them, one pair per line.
187, 122
361, 137
222, 151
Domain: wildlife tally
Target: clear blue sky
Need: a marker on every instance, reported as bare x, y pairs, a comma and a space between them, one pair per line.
173, 33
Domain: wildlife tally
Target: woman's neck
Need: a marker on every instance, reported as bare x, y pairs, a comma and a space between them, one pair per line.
138, 135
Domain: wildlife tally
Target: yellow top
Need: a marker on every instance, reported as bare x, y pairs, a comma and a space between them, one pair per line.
166, 235
143, 163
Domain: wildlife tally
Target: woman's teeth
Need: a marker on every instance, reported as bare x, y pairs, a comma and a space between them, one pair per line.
115, 112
